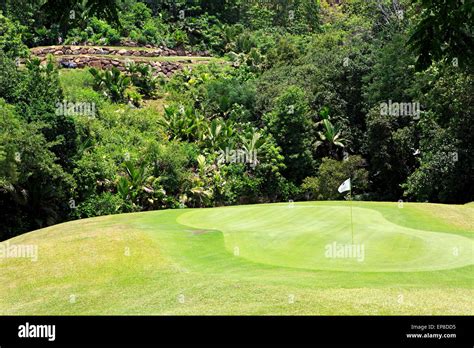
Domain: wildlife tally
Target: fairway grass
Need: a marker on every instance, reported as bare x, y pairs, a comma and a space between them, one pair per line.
268, 259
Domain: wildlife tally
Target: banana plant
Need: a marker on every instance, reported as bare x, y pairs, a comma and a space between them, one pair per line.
182, 123
252, 142
219, 134
112, 83
136, 187
201, 193
142, 77
330, 135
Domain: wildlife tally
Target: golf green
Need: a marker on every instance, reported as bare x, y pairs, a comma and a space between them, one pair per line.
300, 235
280, 259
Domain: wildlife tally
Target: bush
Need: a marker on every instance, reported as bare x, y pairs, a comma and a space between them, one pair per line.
139, 190
112, 83
11, 38
137, 16
9, 78
202, 32
36, 100
438, 176
332, 174
223, 94
102, 30
171, 162
155, 31
98, 32
142, 77
133, 96
98, 205
77, 87
310, 187
179, 38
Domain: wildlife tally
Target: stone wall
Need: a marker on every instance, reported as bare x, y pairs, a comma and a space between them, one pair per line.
81, 50
165, 68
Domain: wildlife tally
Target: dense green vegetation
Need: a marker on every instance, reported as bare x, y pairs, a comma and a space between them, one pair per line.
304, 94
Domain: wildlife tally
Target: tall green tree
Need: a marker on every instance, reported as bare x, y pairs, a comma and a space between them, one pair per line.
444, 31
290, 123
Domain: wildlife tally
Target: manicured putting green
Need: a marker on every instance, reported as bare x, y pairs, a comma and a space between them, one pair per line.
300, 235
267, 259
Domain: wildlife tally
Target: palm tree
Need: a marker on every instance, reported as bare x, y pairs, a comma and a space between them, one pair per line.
252, 141
201, 193
330, 136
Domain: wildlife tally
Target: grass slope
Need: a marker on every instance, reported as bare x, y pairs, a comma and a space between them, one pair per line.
260, 259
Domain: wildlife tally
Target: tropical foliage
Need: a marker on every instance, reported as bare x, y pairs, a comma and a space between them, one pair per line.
302, 95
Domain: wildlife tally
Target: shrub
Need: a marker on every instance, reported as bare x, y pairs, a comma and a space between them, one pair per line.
137, 36
138, 189
9, 78
223, 94
142, 77
101, 204
11, 38
171, 162
133, 96
179, 38
310, 187
333, 173
112, 83
98, 32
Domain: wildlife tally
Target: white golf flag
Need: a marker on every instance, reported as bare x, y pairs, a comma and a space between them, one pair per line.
345, 186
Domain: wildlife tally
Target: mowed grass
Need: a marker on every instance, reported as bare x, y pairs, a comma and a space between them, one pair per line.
260, 259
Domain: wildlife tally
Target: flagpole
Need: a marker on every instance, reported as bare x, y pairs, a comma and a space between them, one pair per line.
341, 189
352, 226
